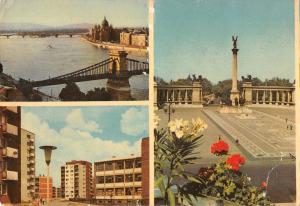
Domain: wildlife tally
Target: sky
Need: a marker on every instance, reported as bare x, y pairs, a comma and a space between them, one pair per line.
85, 133
64, 12
195, 37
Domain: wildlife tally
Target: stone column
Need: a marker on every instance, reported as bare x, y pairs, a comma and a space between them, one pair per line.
167, 96
264, 97
234, 90
283, 98
186, 97
288, 97
271, 97
257, 101
277, 97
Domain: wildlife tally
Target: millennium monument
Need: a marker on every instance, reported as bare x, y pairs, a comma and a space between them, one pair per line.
234, 94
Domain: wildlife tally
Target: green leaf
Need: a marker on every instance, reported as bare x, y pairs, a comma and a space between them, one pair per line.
171, 197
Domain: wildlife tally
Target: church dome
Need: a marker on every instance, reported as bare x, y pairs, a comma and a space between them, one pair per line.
105, 23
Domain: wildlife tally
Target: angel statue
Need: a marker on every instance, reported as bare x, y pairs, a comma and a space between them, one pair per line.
234, 39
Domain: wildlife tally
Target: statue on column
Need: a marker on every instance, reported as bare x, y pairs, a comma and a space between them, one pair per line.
234, 40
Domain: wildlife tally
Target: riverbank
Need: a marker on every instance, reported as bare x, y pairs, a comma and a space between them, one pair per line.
139, 51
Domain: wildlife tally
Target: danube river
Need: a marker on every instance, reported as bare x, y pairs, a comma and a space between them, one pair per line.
41, 58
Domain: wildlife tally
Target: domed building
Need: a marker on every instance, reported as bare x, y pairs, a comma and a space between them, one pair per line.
102, 32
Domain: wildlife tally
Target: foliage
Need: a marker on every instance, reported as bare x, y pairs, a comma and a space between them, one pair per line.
71, 92
25, 87
98, 95
175, 148
224, 181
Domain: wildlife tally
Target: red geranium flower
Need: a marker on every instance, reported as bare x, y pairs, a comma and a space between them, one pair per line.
219, 148
235, 161
264, 184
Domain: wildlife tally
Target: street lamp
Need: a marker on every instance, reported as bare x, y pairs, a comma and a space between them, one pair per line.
169, 110
48, 151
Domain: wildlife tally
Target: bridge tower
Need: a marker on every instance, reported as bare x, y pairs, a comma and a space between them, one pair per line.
118, 82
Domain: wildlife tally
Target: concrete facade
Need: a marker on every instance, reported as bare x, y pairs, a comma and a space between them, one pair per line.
123, 180
77, 180
10, 141
27, 165
41, 187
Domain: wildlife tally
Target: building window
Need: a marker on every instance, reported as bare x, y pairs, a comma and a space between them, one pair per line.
99, 167
119, 178
119, 192
129, 178
119, 165
129, 164
109, 179
100, 180
109, 166
138, 163
138, 177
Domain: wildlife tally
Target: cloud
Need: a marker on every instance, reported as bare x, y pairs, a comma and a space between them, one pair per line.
75, 119
134, 121
73, 142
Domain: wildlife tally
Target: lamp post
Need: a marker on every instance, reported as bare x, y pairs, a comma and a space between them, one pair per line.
169, 110
48, 151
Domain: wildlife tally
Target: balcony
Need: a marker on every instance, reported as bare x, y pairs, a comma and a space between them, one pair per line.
10, 152
10, 129
10, 175
31, 155
12, 109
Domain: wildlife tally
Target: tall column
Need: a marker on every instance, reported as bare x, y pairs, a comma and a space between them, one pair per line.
288, 97
277, 97
271, 97
167, 100
257, 101
234, 95
264, 97
186, 97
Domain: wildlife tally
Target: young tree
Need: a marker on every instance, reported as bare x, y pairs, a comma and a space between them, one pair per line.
71, 92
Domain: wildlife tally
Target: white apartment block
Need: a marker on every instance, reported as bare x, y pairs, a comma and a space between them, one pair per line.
76, 180
27, 165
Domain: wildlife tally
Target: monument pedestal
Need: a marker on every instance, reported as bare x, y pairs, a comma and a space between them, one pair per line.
235, 97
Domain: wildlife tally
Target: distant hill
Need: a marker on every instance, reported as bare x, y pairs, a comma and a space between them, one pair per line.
21, 27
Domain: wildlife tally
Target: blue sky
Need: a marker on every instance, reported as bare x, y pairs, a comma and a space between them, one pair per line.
195, 37
85, 133
63, 12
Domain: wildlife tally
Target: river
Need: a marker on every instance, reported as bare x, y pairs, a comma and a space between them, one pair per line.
41, 58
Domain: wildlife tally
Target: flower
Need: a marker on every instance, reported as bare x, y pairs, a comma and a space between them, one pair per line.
234, 161
179, 127
219, 148
263, 184
198, 126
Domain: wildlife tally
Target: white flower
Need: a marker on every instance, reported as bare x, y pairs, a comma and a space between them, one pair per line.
179, 134
198, 126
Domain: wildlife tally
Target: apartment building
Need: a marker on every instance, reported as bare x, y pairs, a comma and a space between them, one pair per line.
27, 165
10, 161
56, 192
123, 180
77, 180
41, 187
